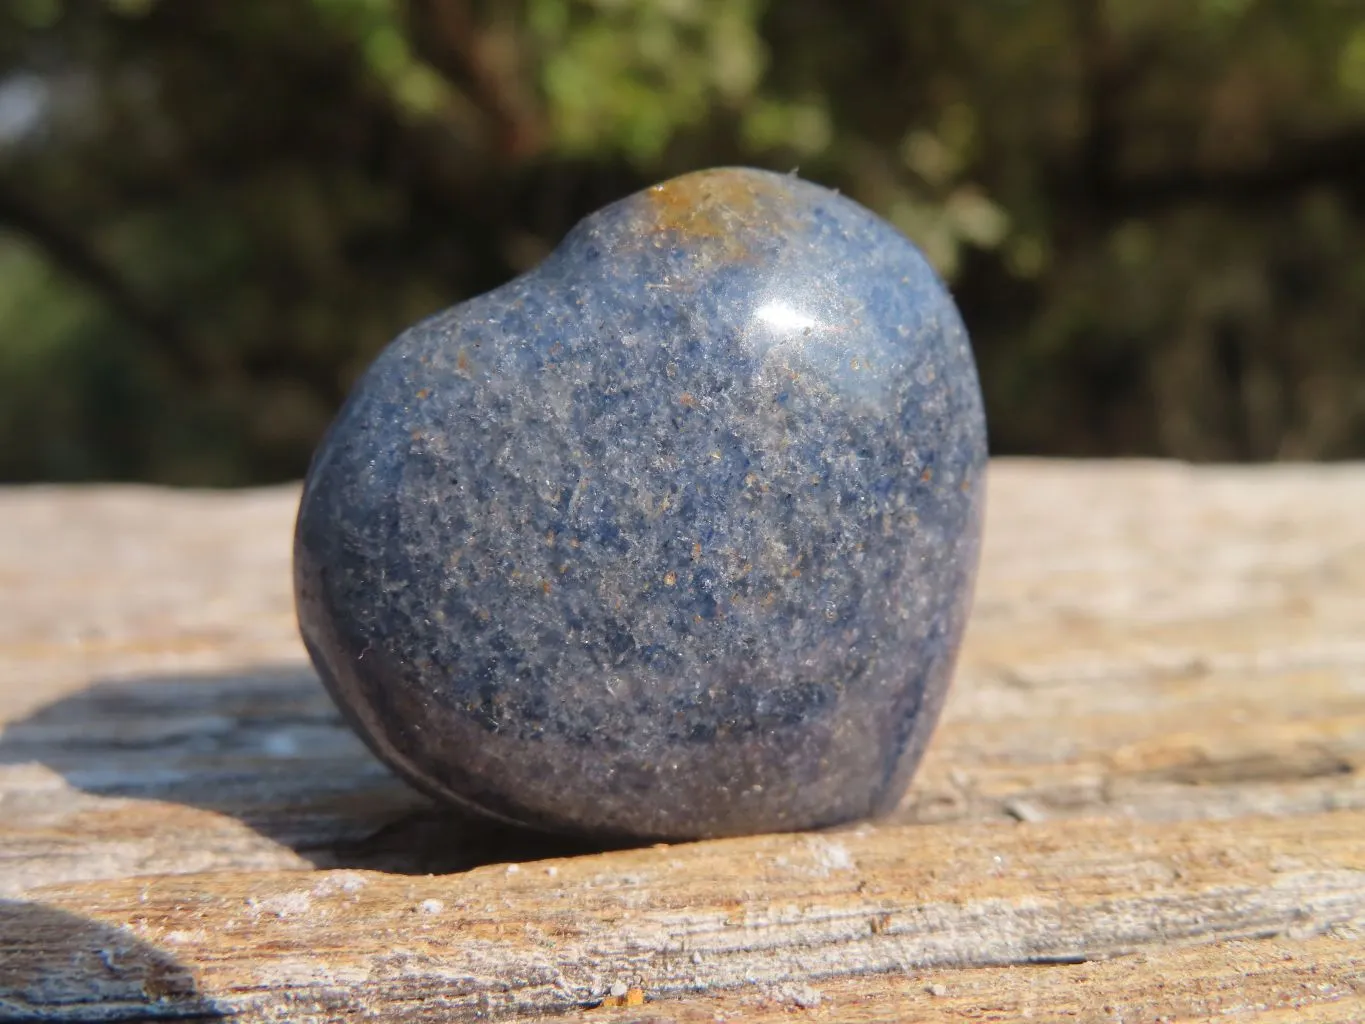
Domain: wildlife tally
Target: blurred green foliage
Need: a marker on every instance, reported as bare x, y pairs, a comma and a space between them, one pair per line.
212, 215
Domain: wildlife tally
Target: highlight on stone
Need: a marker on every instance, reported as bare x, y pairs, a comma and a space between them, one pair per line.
674, 536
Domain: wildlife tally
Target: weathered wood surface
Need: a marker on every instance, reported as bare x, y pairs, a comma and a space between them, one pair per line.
1146, 800
553, 936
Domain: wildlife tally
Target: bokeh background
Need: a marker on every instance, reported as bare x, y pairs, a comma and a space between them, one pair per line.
214, 212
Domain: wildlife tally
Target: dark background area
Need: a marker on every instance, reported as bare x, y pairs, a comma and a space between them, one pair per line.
213, 213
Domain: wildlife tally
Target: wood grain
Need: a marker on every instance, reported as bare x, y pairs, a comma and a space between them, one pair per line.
558, 935
1158, 727
1312, 981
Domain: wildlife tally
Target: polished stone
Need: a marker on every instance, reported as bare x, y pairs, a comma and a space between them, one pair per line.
673, 536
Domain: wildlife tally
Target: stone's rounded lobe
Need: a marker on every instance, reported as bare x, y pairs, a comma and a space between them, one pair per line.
673, 536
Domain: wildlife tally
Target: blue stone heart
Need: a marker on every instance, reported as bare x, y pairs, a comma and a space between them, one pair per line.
673, 536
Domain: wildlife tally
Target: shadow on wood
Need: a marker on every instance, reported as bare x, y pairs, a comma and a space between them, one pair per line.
266, 750
58, 966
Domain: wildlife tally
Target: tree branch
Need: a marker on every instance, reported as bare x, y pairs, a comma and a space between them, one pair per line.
74, 255
1094, 179
445, 35
1297, 164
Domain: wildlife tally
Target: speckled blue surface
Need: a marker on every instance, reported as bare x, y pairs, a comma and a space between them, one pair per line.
673, 536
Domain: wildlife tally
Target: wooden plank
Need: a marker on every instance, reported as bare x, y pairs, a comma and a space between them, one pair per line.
242, 771
552, 936
1164, 681
1115, 667
1315, 981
